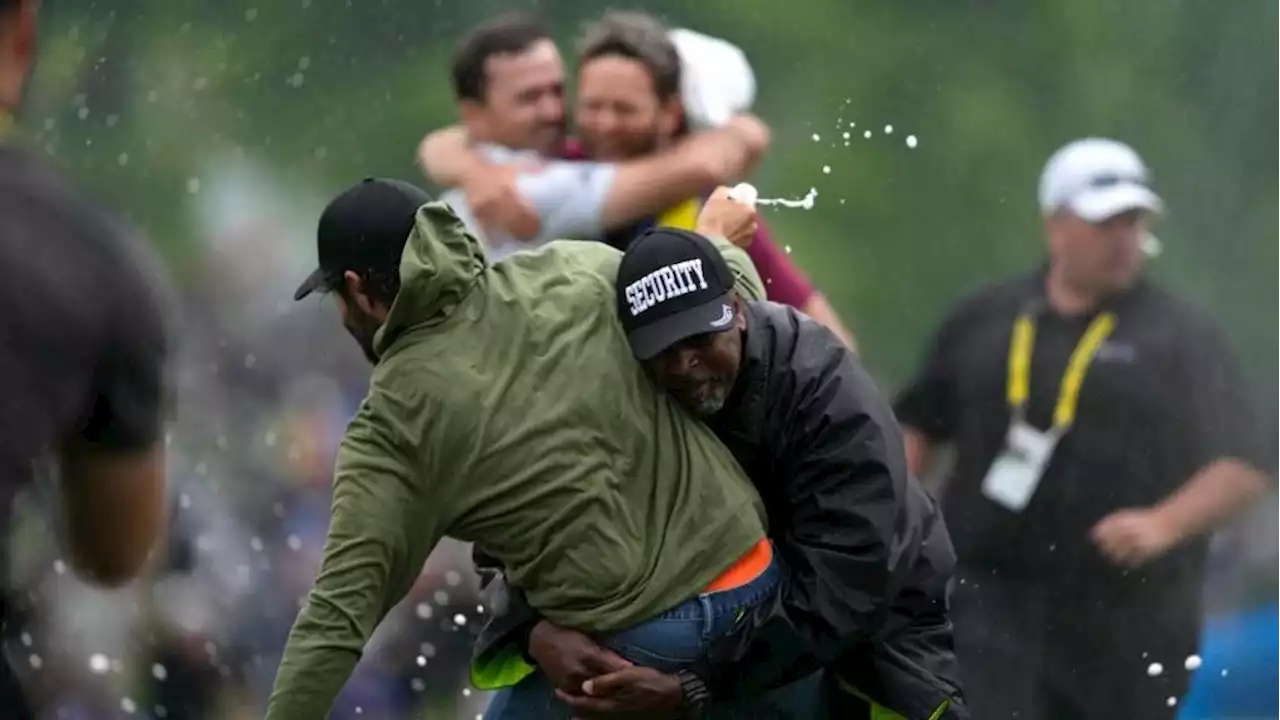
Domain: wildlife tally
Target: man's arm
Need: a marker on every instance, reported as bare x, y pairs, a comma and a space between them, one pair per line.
382, 527
840, 544
447, 157
1221, 432
581, 200
840, 548
113, 478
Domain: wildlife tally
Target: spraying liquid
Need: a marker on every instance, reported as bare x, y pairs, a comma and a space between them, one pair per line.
746, 193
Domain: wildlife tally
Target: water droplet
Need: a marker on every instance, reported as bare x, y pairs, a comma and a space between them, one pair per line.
26, 639
1171, 701
59, 567
270, 439
867, 134
460, 620
1192, 662
826, 169
294, 542
193, 185
912, 142
787, 249
452, 577
128, 705
250, 360
480, 609
888, 129
36, 662
422, 661
297, 79
159, 672
1223, 673
304, 62
99, 663
423, 611
359, 710
466, 692
251, 14
1154, 669
427, 649
441, 597
817, 137
845, 135
122, 159
83, 113
256, 544
200, 84
112, 120
162, 711
417, 684
184, 501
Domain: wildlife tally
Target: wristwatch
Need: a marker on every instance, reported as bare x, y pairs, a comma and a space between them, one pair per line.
696, 694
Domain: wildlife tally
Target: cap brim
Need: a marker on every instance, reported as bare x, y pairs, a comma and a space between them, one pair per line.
1102, 204
712, 316
315, 281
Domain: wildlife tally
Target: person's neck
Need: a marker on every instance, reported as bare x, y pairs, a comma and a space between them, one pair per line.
1067, 298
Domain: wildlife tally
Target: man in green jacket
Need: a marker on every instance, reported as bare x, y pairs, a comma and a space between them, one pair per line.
506, 409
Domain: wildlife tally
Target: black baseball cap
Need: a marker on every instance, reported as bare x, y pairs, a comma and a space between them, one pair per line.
364, 228
673, 284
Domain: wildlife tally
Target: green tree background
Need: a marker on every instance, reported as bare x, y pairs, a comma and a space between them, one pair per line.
133, 97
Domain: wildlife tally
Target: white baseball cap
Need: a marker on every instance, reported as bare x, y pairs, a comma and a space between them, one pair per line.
1097, 179
716, 81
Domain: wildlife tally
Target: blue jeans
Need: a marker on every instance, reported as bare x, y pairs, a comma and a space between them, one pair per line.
672, 641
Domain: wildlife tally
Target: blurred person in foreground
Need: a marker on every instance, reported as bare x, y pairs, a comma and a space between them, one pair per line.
635, 166
1102, 431
84, 343
616, 514
866, 554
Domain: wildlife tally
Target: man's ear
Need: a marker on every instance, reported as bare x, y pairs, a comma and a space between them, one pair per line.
739, 312
671, 117
475, 117
354, 285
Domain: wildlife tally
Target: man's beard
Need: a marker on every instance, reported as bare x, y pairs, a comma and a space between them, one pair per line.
705, 404
363, 329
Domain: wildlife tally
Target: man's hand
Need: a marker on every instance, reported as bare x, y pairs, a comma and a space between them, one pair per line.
729, 218
570, 658
496, 203
1134, 537
636, 692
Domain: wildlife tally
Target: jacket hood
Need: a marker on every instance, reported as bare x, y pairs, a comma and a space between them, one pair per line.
441, 264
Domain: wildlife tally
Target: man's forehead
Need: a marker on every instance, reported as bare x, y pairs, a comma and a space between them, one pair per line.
539, 64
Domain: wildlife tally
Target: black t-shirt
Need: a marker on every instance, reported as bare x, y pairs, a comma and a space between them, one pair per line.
82, 331
1163, 398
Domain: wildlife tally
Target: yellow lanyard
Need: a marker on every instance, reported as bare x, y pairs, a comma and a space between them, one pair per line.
1020, 346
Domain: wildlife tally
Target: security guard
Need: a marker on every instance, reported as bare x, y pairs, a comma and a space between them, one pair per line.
1101, 431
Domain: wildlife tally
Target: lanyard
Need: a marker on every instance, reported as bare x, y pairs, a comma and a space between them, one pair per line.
6, 123
1020, 346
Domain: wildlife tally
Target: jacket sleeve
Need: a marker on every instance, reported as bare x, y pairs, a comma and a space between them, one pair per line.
746, 278
843, 474
381, 529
